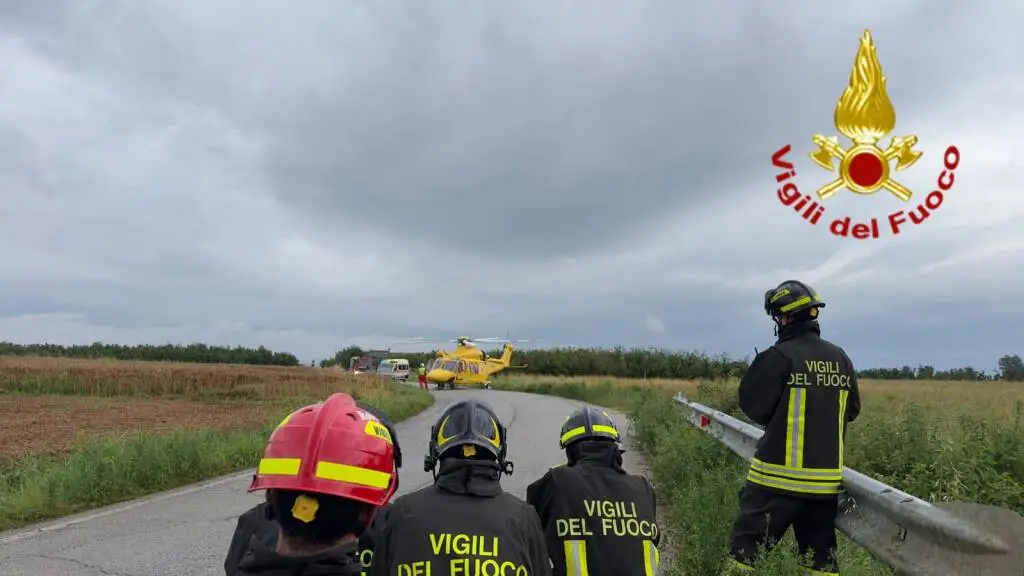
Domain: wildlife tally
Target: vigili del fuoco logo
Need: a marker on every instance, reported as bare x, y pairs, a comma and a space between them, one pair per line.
865, 115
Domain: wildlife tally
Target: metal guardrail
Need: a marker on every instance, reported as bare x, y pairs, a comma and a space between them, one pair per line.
910, 535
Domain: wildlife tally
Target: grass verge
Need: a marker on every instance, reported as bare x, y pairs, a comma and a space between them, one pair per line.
110, 470
938, 456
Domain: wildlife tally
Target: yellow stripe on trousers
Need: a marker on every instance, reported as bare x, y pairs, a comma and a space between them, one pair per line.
843, 396
576, 558
652, 559
795, 427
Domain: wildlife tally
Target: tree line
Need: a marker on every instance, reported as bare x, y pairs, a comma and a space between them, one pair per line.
655, 363
619, 362
197, 352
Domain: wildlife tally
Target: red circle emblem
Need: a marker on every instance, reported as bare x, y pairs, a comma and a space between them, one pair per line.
866, 169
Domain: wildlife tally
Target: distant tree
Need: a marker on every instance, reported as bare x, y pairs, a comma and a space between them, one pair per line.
620, 362
1011, 368
196, 352
341, 357
660, 363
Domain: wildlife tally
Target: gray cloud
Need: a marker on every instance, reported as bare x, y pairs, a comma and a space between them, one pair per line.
357, 169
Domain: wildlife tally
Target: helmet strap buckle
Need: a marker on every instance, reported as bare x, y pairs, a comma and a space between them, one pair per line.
429, 462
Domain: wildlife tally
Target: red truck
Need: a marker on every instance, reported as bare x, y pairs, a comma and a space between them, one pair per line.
367, 362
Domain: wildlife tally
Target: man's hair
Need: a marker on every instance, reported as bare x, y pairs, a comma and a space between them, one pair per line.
334, 517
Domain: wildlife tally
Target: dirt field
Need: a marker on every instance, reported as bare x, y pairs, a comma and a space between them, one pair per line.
51, 424
100, 377
50, 403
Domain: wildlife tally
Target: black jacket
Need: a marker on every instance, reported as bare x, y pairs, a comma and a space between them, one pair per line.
804, 391
256, 522
465, 520
596, 515
262, 560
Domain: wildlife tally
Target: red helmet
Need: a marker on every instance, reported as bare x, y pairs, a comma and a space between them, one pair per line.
333, 448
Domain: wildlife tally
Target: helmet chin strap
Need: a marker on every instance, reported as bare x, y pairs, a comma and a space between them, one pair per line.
430, 464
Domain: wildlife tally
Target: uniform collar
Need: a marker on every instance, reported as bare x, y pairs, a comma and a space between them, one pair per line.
790, 331
474, 477
263, 560
595, 452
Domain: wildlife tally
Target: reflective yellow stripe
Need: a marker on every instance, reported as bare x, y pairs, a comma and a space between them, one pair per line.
813, 572
795, 427
800, 486
652, 559
352, 474
814, 474
496, 441
279, 466
843, 397
326, 471
378, 430
795, 304
572, 434
581, 429
576, 558
441, 438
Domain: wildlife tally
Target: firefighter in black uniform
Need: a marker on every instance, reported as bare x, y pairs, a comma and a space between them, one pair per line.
464, 524
598, 519
259, 521
803, 391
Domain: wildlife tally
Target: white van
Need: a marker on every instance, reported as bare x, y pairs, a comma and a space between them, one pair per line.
397, 368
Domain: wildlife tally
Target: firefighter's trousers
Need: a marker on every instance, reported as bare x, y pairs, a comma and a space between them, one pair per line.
765, 516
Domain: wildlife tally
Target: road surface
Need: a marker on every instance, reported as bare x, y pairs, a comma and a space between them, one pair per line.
187, 531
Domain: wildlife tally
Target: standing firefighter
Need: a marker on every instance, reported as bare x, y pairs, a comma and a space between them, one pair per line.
598, 519
422, 372
260, 522
327, 469
803, 390
464, 523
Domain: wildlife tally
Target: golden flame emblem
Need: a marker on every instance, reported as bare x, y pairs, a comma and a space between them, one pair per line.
865, 115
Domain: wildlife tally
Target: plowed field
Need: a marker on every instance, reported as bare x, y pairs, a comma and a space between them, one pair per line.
51, 424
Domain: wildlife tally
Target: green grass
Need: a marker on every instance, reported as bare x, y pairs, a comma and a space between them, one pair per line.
111, 470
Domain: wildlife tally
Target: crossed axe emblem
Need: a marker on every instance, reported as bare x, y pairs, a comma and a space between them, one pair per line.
901, 148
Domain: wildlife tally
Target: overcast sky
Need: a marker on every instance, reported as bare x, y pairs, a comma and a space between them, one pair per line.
306, 175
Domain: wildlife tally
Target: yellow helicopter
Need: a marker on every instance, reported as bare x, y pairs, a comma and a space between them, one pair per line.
468, 365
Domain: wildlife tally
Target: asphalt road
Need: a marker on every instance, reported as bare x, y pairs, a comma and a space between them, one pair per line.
187, 531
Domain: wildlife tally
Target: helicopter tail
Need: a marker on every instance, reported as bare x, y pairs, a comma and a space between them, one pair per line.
506, 358
506, 355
